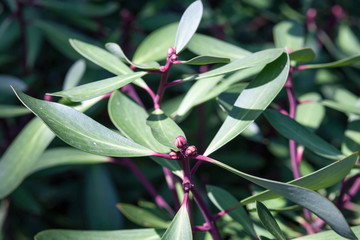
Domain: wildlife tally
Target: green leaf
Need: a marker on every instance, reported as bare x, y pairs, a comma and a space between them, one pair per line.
85, 9
326, 235
142, 217
80, 131
269, 221
302, 55
98, 88
205, 45
9, 111
341, 107
180, 227
340, 63
65, 156
223, 200
253, 60
352, 134
347, 40
74, 74
291, 129
163, 128
289, 34
252, 101
34, 43
100, 200
104, 59
203, 60
322, 178
133, 234
312, 113
22, 154
309, 199
130, 118
155, 46
188, 25
117, 51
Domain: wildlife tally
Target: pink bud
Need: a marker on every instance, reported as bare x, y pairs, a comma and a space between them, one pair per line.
162, 68
173, 155
180, 142
191, 151
174, 57
171, 51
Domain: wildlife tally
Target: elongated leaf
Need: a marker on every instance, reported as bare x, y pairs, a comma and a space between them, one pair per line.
74, 75
309, 199
253, 60
269, 221
180, 227
163, 128
104, 59
327, 235
310, 114
291, 129
224, 200
22, 154
117, 51
155, 46
7, 111
352, 134
98, 88
347, 39
80, 131
322, 178
189, 22
205, 45
252, 101
289, 34
203, 60
65, 156
341, 107
141, 216
133, 234
340, 63
85, 9
302, 55
34, 42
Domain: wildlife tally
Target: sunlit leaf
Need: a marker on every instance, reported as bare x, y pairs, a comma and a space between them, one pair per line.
340, 63
74, 74
289, 34
203, 60
341, 107
302, 55
327, 235
310, 114
180, 227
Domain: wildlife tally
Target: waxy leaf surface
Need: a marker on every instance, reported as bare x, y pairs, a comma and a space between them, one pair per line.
203, 60
180, 227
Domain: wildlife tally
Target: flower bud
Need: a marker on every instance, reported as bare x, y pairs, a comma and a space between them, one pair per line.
162, 68
174, 155
171, 51
174, 57
180, 142
191, 151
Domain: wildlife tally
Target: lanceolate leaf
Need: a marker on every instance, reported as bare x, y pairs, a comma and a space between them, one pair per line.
80, 131
341, 107
98, 88
155, 46
289, 34
252, 101
203, 60
291, 129
302, 55
327, 235
269, 221
224, 200
163, 128
341, 63
7, 111
189, 22
74, 75
206, 45
253, 60
309, 199
104, 59
134, 234
22, 154
180, 227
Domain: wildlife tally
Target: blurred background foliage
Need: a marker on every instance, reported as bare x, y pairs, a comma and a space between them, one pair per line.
35, 56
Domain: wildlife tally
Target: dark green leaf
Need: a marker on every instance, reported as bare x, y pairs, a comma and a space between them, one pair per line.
302, 55
80, 131
180, 227
34, 43
163, 128
133, 234
188, 25
142, 217
206, 45
223, 200
289, 34
291, 129
98, 88
252, 101
74, 74
269, 221
7, 80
